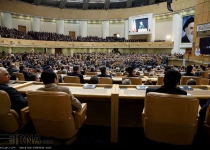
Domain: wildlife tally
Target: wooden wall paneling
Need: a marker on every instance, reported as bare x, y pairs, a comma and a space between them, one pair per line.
206, 7
205, 17
201, 9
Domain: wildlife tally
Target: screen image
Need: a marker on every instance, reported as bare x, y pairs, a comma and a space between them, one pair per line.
204, 45
187, 29
141, 24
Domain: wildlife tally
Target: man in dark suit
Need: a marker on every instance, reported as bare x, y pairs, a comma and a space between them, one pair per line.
103, 72
171, 80
189, 71
17, 100
27, 75
76, 72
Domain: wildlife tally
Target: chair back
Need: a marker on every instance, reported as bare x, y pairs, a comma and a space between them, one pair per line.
51, 114
9, 119
19, 75
134, 80
170, 118
146, 73
71, 79
205, 74
105, 80
184, 79
91, 73
160, 80
118, 74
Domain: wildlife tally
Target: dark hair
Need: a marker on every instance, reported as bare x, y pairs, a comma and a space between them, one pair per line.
94, 80
34, 77
167, 68
21, 67
76, 68
103, 69
172, 78
130, 69
189, 69
48, 76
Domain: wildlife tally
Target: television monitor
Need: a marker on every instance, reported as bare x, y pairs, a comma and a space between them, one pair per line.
141, 24
204, 45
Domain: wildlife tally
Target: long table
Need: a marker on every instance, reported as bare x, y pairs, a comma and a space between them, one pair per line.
101, 103
113, 105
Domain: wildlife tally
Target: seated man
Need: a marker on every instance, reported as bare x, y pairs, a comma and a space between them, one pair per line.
76, 72
131, 72
50, 81
17, 100
171, 80
126, 82
189, 71
191, 82
12, 69
103, 72
94, 80
27, 75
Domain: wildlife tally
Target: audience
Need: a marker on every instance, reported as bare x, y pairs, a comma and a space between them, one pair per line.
191, 82
50, 81
126, 82
94, 80
17, 100
171, 80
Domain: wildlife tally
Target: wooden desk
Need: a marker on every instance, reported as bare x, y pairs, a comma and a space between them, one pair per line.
132, 100
101, 103
118, 79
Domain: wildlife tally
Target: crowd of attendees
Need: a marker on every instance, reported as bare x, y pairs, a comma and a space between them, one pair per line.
41, 61
51, 36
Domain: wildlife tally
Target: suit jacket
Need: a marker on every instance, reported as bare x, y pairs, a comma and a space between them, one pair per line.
27, 75
185, 39
76, 105
164, 89
77, 74
17, 100
104, 75
188, 74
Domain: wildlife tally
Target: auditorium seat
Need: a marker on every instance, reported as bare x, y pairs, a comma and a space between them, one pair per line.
205, 74
105, 80
91, 73
10, 121
184, 79
134, 80
19, 75
52, 115
169, 118
207, 126
71, 79
160, 80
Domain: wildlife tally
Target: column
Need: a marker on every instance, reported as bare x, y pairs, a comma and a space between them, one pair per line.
176, 30
105, 29
71, 52
83, 28
126, 29
35, 24
90, 50
153, 30
52, 50
60, 26
6, 19
9, 50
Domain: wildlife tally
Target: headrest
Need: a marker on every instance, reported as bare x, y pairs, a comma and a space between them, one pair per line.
4, 103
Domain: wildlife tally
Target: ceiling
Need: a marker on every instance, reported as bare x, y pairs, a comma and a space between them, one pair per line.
92, 4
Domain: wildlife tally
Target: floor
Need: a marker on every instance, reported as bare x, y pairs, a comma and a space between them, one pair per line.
100, 135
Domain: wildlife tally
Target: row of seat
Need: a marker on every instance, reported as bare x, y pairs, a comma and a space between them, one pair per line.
53, 119
175, 120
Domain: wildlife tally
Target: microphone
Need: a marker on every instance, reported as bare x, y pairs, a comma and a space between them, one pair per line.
169, 5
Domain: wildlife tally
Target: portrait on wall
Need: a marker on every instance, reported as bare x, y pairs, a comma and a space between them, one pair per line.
187, 29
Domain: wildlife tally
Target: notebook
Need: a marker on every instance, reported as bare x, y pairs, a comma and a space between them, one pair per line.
141, 87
